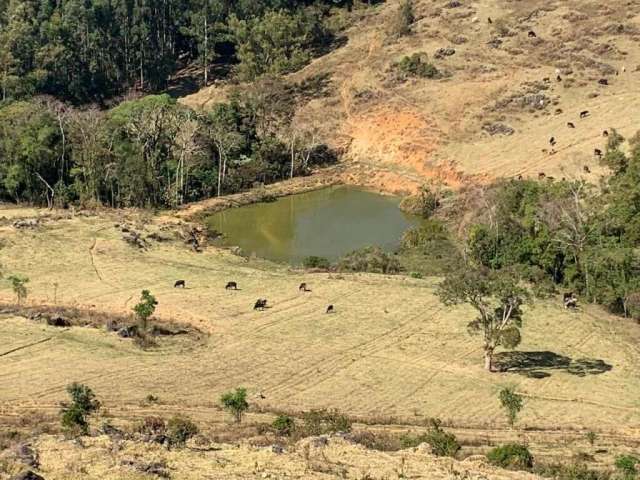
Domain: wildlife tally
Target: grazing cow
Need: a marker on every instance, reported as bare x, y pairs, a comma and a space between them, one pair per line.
544, 150
569, 300
550, 178
584, 114
541, 175
489, 21
303, 287
558, 111
558, 78
605, 133
531, 34
586, 169
260, 304
546, 79
597, 152
180, 283
519, 177
603, 81
552, 141
552, 152
330, 309
570, 125
231, 286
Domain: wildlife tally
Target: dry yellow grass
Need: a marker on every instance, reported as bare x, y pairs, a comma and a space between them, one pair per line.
366, 111
391, 350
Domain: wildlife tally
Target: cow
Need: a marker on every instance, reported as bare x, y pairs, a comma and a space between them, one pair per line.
531, 34
569, 300
231, 286
584, 114
552, 141
489, 21
330, 309
586, 169
570, 125
603, 81
260, 304
180, 283
519, 177
541, 175
303, 287
558, 111
605, 133
558, 78
546, 79
597, 152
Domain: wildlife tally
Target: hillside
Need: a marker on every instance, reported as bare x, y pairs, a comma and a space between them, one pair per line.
398, 134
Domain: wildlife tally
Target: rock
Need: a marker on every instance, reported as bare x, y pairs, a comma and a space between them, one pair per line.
26, 455
498, 129
58, 321
128, 332
27, 475
236, 251
26, 223
444, 52
494, 43
320, 441
453, 4
277, 449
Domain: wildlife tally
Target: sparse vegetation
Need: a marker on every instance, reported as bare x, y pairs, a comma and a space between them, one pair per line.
403, 19
369, 259
627, 466
318, 422
443, 444
235, 403
316, 262
417, 65
511, 402
74, 415
284, 425
19, 287
512, 455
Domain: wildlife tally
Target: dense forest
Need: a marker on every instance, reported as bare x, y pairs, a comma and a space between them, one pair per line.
66, 65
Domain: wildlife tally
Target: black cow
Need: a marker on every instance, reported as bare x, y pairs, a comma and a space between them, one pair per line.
584, 114
605, 133
597, 152
569, 300
603, 81
489, 20
541, 175
558, 78
330, 309
303, 287
586, 169
552, 141
231, 286
260, 304
570, 125
532, 34
180, 283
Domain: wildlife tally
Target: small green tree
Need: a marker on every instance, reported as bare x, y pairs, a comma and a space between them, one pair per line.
145, 308
235, 403
511, 402
284, 425
18, 284
591, 437
497, 298
74, 414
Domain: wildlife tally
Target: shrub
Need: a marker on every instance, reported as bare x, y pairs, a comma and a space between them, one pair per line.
318, 422
369, 259
235, 403
591, 437
627, 466
180, 429
511, 402
284, 425
511, 455
417, 65
403, 19
145, 308
443, 444
316, 262
18, 284
575, 471
74, 415
151, 426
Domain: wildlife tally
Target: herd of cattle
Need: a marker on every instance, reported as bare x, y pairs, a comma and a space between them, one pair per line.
260, 303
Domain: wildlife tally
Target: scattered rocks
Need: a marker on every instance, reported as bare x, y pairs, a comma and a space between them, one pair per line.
27, 475
494, 43
458, 39
135, 239
26, 223
26, 455
453, 4
128, 332
444, 52
153, 468
278, 449
498, 129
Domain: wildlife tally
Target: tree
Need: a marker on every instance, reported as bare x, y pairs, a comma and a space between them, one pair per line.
511, 402
145, 308
18, 284
236, 403
83, 403
497, 298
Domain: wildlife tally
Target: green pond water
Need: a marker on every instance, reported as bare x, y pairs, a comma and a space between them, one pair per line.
327, 223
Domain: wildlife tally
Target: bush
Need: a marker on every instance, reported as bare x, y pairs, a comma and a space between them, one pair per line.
369, 259
512, 455
235, 402
417, 65
151, 426
74, 415
319, 422
284, 425
316, 262
443, 444
574, 471
627, 466
403, 19
511, 403
424, 204
180, 429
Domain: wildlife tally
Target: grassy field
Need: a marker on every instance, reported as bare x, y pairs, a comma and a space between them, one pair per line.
391, 351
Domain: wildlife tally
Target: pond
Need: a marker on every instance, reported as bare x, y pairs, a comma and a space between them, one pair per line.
327, 223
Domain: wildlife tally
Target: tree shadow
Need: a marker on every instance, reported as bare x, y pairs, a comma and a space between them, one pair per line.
540, 364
